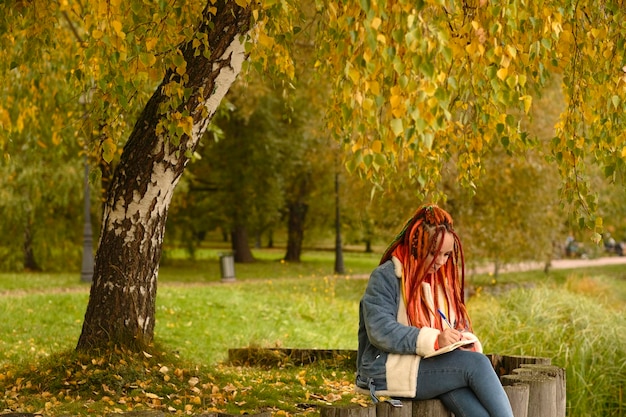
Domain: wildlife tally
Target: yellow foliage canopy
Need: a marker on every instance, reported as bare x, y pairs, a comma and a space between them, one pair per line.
416, 83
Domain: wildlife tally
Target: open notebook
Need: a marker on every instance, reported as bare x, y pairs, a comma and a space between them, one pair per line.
453, 346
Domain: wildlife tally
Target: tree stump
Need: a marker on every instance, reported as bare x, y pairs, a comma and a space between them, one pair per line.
252, 356
554, 372
430, 408
348, 411
508, 363
518, 397
386, 409
541, 393
496, 362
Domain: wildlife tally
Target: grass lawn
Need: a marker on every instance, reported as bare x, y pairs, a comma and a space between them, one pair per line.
573, 317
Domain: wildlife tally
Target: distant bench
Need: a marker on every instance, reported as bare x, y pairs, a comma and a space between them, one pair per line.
535, 387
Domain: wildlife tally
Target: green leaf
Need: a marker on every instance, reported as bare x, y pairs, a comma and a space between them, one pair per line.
366, 5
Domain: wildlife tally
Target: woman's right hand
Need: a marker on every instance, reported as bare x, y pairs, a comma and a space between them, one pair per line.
449, 336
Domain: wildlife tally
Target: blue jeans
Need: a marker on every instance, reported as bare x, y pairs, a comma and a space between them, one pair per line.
466, 384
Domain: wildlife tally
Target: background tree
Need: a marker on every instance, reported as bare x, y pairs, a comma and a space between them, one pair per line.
244, 167
515, 215
265, 163
40, 166
40, 200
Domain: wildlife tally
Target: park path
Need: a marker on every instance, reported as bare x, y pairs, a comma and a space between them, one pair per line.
556, 264
539, 266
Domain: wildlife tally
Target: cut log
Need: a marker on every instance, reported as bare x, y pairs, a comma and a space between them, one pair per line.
386, 409
509, 363
280, 356
348, 411
430, 408
552, 371
518, 397
541, 393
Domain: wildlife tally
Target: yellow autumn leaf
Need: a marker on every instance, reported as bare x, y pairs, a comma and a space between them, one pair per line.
265, 40
471, 48
395, 101
598, 223
376, 23
374, 87
505, 61
97, 34
428, 88
528, 101
150, 44
624, 152
377, 146
182, 68
117, 26
332, 397
20, 123
511, 51
5, 119
186, 123
358, 97
580, 142
108, 149
354, 75
502, 73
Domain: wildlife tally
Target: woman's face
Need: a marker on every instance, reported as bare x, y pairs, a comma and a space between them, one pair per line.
440, 258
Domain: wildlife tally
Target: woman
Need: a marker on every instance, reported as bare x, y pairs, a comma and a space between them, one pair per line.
412, 307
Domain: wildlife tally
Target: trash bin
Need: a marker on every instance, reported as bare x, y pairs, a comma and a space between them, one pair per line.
227, 266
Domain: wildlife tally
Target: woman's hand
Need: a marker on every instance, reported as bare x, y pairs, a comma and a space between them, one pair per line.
449, 336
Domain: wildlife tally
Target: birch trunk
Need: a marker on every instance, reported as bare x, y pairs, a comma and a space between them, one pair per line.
122, 300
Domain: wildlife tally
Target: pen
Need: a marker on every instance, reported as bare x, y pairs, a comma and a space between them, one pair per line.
443, 316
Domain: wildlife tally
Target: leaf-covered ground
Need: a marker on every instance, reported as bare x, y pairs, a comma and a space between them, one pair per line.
120, 381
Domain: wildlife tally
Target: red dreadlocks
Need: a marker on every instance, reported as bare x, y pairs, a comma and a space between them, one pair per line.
422, 235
